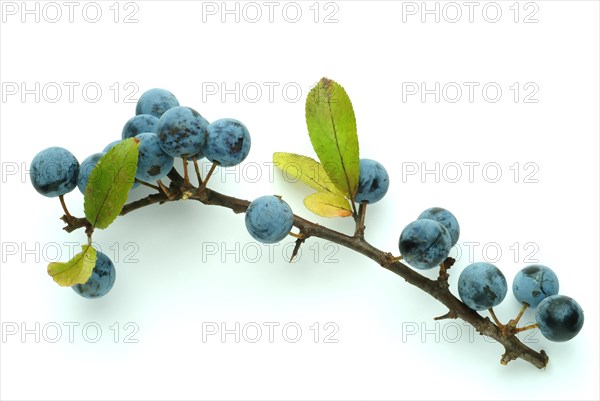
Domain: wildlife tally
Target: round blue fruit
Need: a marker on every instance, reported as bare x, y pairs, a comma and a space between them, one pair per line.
445, 218
559, 318
534, 283
373, 182
85, 169
139, 124
424, 244
156, 101
482, 286
101, 281
153, 162
54, 172
182, 132
227, 142
269, 219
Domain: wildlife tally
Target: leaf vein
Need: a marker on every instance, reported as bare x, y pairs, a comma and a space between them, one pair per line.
335, 135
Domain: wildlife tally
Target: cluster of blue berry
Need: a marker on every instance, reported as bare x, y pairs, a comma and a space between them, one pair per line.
426, 243
165, 130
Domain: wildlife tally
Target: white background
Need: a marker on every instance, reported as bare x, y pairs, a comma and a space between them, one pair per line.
388, 346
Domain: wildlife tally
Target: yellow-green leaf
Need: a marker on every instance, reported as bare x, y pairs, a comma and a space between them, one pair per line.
306, 169
327, 204
77, 270
109, 183
332, 130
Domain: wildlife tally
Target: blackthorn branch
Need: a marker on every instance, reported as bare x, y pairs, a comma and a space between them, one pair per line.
178, 189
345, 185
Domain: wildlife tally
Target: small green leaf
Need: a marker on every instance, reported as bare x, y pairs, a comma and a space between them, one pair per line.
110, 182
306, 169
326, 204
332, 130
77, 270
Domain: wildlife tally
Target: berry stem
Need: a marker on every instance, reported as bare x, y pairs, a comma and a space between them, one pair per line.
525, 306
64, 207
197, 168
165, 190
186, 177
529, 327
210, 172
147, 184
500, 325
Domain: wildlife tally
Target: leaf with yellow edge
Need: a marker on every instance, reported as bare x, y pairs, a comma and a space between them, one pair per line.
306, 169
78, 270
326, 204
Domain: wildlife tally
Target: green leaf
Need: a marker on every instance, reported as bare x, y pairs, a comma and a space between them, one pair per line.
77, 270
110, 182
327, 204
332, 130
306, 169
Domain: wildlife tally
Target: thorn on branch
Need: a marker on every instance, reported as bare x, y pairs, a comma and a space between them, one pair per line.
299, 242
